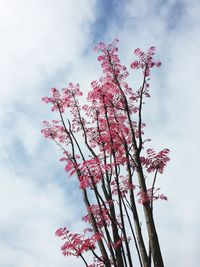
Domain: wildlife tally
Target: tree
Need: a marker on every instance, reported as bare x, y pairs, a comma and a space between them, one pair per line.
116, 173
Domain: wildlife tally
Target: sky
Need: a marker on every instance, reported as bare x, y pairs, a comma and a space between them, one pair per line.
46, 43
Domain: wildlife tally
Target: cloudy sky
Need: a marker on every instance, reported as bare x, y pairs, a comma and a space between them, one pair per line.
46, 43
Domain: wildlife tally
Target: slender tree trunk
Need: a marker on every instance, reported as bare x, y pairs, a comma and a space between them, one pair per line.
151, 229
100, 243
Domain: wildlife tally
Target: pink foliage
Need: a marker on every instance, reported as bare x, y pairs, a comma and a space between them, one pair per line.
112, 131
118, 243
155, 161
76, 244
90, 173
61, 101
150, 195
54, 131
101, 215
145, 61
97, 263
123, 187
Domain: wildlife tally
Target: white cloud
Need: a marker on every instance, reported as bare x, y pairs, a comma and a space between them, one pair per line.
38, 40
42, 45
29, 216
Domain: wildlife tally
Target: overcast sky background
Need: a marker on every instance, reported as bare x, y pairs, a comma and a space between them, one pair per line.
46, 43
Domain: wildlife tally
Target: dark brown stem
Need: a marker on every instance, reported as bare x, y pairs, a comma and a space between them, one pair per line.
84, 260
132, 231
118, 188
152, 189
140, 110
95, 227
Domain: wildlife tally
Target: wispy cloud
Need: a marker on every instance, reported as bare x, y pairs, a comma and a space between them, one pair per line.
40, 40
48, 43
